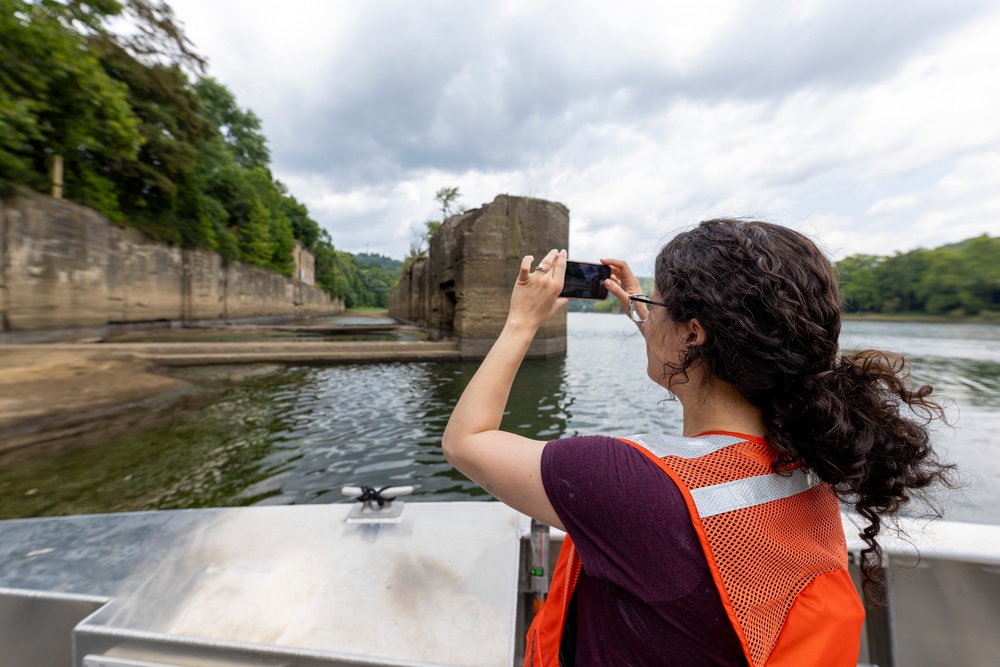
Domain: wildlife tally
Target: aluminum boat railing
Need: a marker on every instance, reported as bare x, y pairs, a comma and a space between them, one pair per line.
438, 584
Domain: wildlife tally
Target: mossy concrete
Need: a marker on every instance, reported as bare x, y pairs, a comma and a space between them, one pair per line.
64, 267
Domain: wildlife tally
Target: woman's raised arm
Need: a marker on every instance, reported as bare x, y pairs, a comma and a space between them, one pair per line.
508, 466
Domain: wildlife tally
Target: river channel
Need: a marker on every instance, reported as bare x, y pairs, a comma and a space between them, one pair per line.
274, 435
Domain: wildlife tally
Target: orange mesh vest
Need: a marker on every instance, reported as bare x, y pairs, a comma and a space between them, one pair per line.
774, 544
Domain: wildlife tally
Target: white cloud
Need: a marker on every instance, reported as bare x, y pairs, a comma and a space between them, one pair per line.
873, 131
964, 203
891, 205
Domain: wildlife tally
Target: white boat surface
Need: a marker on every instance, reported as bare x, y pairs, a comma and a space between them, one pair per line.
442, 584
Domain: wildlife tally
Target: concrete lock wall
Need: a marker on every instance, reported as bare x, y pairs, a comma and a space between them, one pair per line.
462, 289
64, 266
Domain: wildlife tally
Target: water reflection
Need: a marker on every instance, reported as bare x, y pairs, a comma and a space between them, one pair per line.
962, 363
382, 424
967, 382
203, 459
298, 435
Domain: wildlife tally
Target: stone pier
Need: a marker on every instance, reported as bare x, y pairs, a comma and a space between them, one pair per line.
462, 289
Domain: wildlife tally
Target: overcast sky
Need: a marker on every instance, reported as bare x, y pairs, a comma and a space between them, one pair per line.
872, 126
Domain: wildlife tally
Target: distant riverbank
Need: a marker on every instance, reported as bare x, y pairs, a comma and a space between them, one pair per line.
921, 317
882, 317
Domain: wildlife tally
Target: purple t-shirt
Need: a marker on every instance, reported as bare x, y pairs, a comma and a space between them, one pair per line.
646, 596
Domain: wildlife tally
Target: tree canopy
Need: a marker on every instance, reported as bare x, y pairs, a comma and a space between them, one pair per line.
150, 141
958, 279
448, 198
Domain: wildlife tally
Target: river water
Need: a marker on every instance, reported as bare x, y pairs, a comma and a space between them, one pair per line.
297, 435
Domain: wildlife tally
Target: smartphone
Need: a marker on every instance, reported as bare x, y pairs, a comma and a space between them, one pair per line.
585, 280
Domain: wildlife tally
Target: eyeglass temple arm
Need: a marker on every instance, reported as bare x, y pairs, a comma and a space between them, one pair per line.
638, 307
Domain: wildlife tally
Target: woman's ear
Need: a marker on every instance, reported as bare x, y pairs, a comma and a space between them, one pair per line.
694, 333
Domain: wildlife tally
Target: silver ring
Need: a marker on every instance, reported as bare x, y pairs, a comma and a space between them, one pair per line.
541, 268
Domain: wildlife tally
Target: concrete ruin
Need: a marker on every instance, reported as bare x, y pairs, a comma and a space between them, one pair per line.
65, 268
462, 289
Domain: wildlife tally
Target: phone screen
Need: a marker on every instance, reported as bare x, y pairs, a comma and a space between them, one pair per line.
585, 280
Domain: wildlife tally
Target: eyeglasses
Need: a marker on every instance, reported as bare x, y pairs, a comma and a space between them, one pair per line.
638, 307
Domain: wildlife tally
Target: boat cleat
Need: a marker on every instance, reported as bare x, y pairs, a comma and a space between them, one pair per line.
376, 505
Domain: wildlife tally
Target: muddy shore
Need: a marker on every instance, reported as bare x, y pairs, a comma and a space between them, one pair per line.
53, 393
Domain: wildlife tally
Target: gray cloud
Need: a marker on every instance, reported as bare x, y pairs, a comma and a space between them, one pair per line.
844, 45
427, 86
640, 117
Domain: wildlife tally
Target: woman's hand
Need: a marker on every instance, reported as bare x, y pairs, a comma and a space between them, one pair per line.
622, 282
536, 293
508, 466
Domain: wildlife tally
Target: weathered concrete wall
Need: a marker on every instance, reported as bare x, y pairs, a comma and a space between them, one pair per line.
64, 266
305, 264
463, 287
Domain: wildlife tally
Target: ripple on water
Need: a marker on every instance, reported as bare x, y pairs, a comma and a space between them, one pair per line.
297, 435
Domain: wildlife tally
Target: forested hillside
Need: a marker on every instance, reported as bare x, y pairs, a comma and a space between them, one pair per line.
148, 139
958, 279
374, 276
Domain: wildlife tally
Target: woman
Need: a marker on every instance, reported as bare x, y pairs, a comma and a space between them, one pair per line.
723, 546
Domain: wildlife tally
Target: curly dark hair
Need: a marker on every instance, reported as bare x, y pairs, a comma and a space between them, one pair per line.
769, 302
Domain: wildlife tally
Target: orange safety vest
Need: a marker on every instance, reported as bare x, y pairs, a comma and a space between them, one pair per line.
774, 544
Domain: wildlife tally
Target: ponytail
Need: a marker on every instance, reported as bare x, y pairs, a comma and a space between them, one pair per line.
866, 432
769, 302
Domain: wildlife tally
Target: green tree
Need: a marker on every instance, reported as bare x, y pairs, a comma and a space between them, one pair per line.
156, 38
898, 277
240, 128
143, 145
859, 283
56, 99
304, 228
960, 279
377, 275
260, 217
448, 198
158, 191
981, 261
280, 231
419, 248
329, 275
431, 229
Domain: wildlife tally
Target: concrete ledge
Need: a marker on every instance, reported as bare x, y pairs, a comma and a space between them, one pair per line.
194, 354
317, 357
86, 393
541, 348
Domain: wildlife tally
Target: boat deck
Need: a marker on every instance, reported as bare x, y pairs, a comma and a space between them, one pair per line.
302, 586
269, 586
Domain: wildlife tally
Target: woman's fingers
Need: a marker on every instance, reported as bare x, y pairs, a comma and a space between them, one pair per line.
558, 264
616, 290
522, 275
536, 294
553, 265
621, 270
548, 261
622, 283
